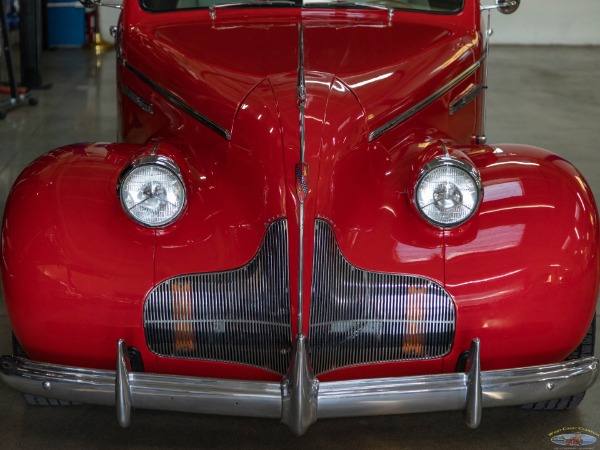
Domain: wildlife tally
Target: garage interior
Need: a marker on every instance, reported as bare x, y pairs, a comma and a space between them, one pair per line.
547, 96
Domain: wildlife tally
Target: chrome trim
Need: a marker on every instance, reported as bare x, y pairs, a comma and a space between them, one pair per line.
466, 97
424, 103
301, 86
148, 391
504, 6
299, 391
153, 158
158, 160
448, 392
301, 226
380, 396
301, 92
346, 3
474, 391
94, 3
465, 166
239, 316
362, 317
144, 105
178, 102
123, 388
481, 138
508, 6
212, 10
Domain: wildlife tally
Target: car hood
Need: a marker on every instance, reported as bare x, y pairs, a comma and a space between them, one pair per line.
213, 66
242, 74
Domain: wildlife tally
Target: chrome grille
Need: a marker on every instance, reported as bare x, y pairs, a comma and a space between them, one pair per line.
239, 316
361, 317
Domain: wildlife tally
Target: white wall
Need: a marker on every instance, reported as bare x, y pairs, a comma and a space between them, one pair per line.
108, 17
562, 22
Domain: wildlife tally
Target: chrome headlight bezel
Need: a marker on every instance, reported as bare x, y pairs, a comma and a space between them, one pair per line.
461, 168
167, 166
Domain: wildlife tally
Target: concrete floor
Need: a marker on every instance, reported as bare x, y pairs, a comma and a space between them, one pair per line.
548, 97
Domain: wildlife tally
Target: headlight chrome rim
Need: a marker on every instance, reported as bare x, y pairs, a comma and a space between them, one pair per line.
461, 166
168, 167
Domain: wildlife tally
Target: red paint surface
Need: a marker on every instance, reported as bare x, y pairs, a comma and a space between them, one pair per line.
523, 272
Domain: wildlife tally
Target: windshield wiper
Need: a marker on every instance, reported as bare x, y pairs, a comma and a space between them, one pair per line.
346, 3
213, 8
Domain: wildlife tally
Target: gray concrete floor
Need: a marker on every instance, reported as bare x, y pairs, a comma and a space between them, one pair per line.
548, 97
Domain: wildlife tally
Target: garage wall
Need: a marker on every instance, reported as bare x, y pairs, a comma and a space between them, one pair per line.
562, 22
546, 22
108, 17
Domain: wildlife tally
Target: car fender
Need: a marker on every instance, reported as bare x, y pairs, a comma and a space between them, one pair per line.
69, 253
524, 271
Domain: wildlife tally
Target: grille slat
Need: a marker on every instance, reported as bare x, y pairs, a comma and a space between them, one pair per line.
243, 316
239, 316
361, 317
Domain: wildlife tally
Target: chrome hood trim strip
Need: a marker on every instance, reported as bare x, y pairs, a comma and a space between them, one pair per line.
426, 102
178, 102
466, 97
143, 104
300, 169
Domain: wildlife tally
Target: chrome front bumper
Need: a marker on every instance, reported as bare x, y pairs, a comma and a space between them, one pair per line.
300, 398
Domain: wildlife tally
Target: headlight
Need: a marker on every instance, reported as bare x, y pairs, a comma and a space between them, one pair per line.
152, 192
448, 192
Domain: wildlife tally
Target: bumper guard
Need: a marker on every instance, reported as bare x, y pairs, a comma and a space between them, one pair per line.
300, 399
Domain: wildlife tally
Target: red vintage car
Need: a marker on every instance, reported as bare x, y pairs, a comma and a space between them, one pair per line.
302, 220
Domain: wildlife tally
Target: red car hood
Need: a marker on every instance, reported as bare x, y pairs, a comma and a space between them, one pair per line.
213, 65
241, 73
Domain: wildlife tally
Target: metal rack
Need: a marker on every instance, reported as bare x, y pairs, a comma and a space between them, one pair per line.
17, 96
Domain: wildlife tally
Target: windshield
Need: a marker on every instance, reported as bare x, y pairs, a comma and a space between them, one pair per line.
437, 6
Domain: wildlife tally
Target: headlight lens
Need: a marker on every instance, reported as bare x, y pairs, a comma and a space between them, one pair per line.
152, 192
448, 192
